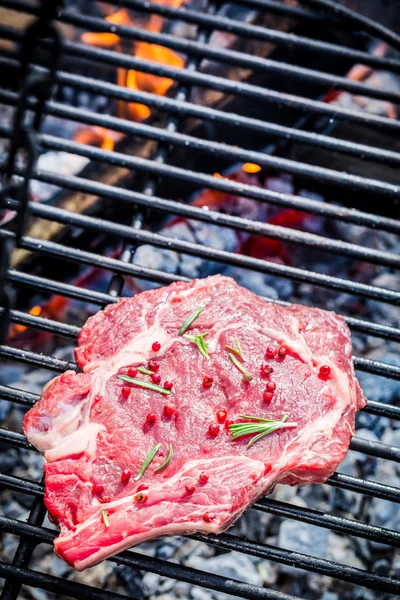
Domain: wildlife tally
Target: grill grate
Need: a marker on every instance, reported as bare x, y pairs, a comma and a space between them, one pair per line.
178, 107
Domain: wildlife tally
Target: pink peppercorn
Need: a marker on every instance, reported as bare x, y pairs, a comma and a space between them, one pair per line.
190, 488
271, 386
208, 517
168, 385
125, 475
125, 391
156, 346
221, 416
207, 381
156, 378
267, 396
153, 366
266, 370
324, 371
282, 352
132, 372
271, 352
169, 409
140, 497
203, 477
142, 487
151, 418
213, 429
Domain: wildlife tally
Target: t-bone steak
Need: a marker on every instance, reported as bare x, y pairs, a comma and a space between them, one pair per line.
96, 429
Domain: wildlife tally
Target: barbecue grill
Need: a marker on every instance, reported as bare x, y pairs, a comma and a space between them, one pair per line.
302, 118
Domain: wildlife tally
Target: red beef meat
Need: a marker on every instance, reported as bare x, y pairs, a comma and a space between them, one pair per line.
95, 439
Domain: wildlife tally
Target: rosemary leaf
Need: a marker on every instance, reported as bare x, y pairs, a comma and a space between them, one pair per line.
200, 342
147, 461
191, 319
246, 375
144, 384
237, 350
260, 419
104, 516
261, 427
166, 462
144, 371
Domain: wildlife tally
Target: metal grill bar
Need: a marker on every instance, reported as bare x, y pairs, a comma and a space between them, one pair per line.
285, 200
189, 109
155, 565
55, 584
357, 20
219, 149
77, 293
220, 84
232, 26
203, 180
380, 155
70, 291
193, 249
265, 551
199, 49
284, 234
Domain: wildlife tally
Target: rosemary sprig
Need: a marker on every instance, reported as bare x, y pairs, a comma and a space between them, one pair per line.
104, 516
261, 427
237, 350
144, 371
147, 461
145, 384
191, 318
166, 462
246, 375
200, 342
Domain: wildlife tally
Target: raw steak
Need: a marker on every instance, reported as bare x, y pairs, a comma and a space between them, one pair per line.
95, 439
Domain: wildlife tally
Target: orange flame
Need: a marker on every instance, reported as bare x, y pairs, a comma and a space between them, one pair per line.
16, 329
96, 136
136, 80
106, 39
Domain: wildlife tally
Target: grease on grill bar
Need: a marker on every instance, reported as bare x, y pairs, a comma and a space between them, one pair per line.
257, 139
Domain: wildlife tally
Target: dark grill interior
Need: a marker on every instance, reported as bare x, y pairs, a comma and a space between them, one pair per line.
280, 104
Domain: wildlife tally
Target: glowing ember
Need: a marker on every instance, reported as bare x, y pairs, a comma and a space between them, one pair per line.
251, 168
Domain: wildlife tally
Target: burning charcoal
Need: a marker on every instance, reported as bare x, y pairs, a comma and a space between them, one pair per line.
381, 567
315, 496
5, 408
304, 538
383, 513
373, 423
253, 525
182, 264
156, 258
381, 389
200, 594
132, 580
381, 311
329, 596
262, 284
231, 565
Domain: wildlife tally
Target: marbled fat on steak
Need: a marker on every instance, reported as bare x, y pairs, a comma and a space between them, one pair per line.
95, 432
